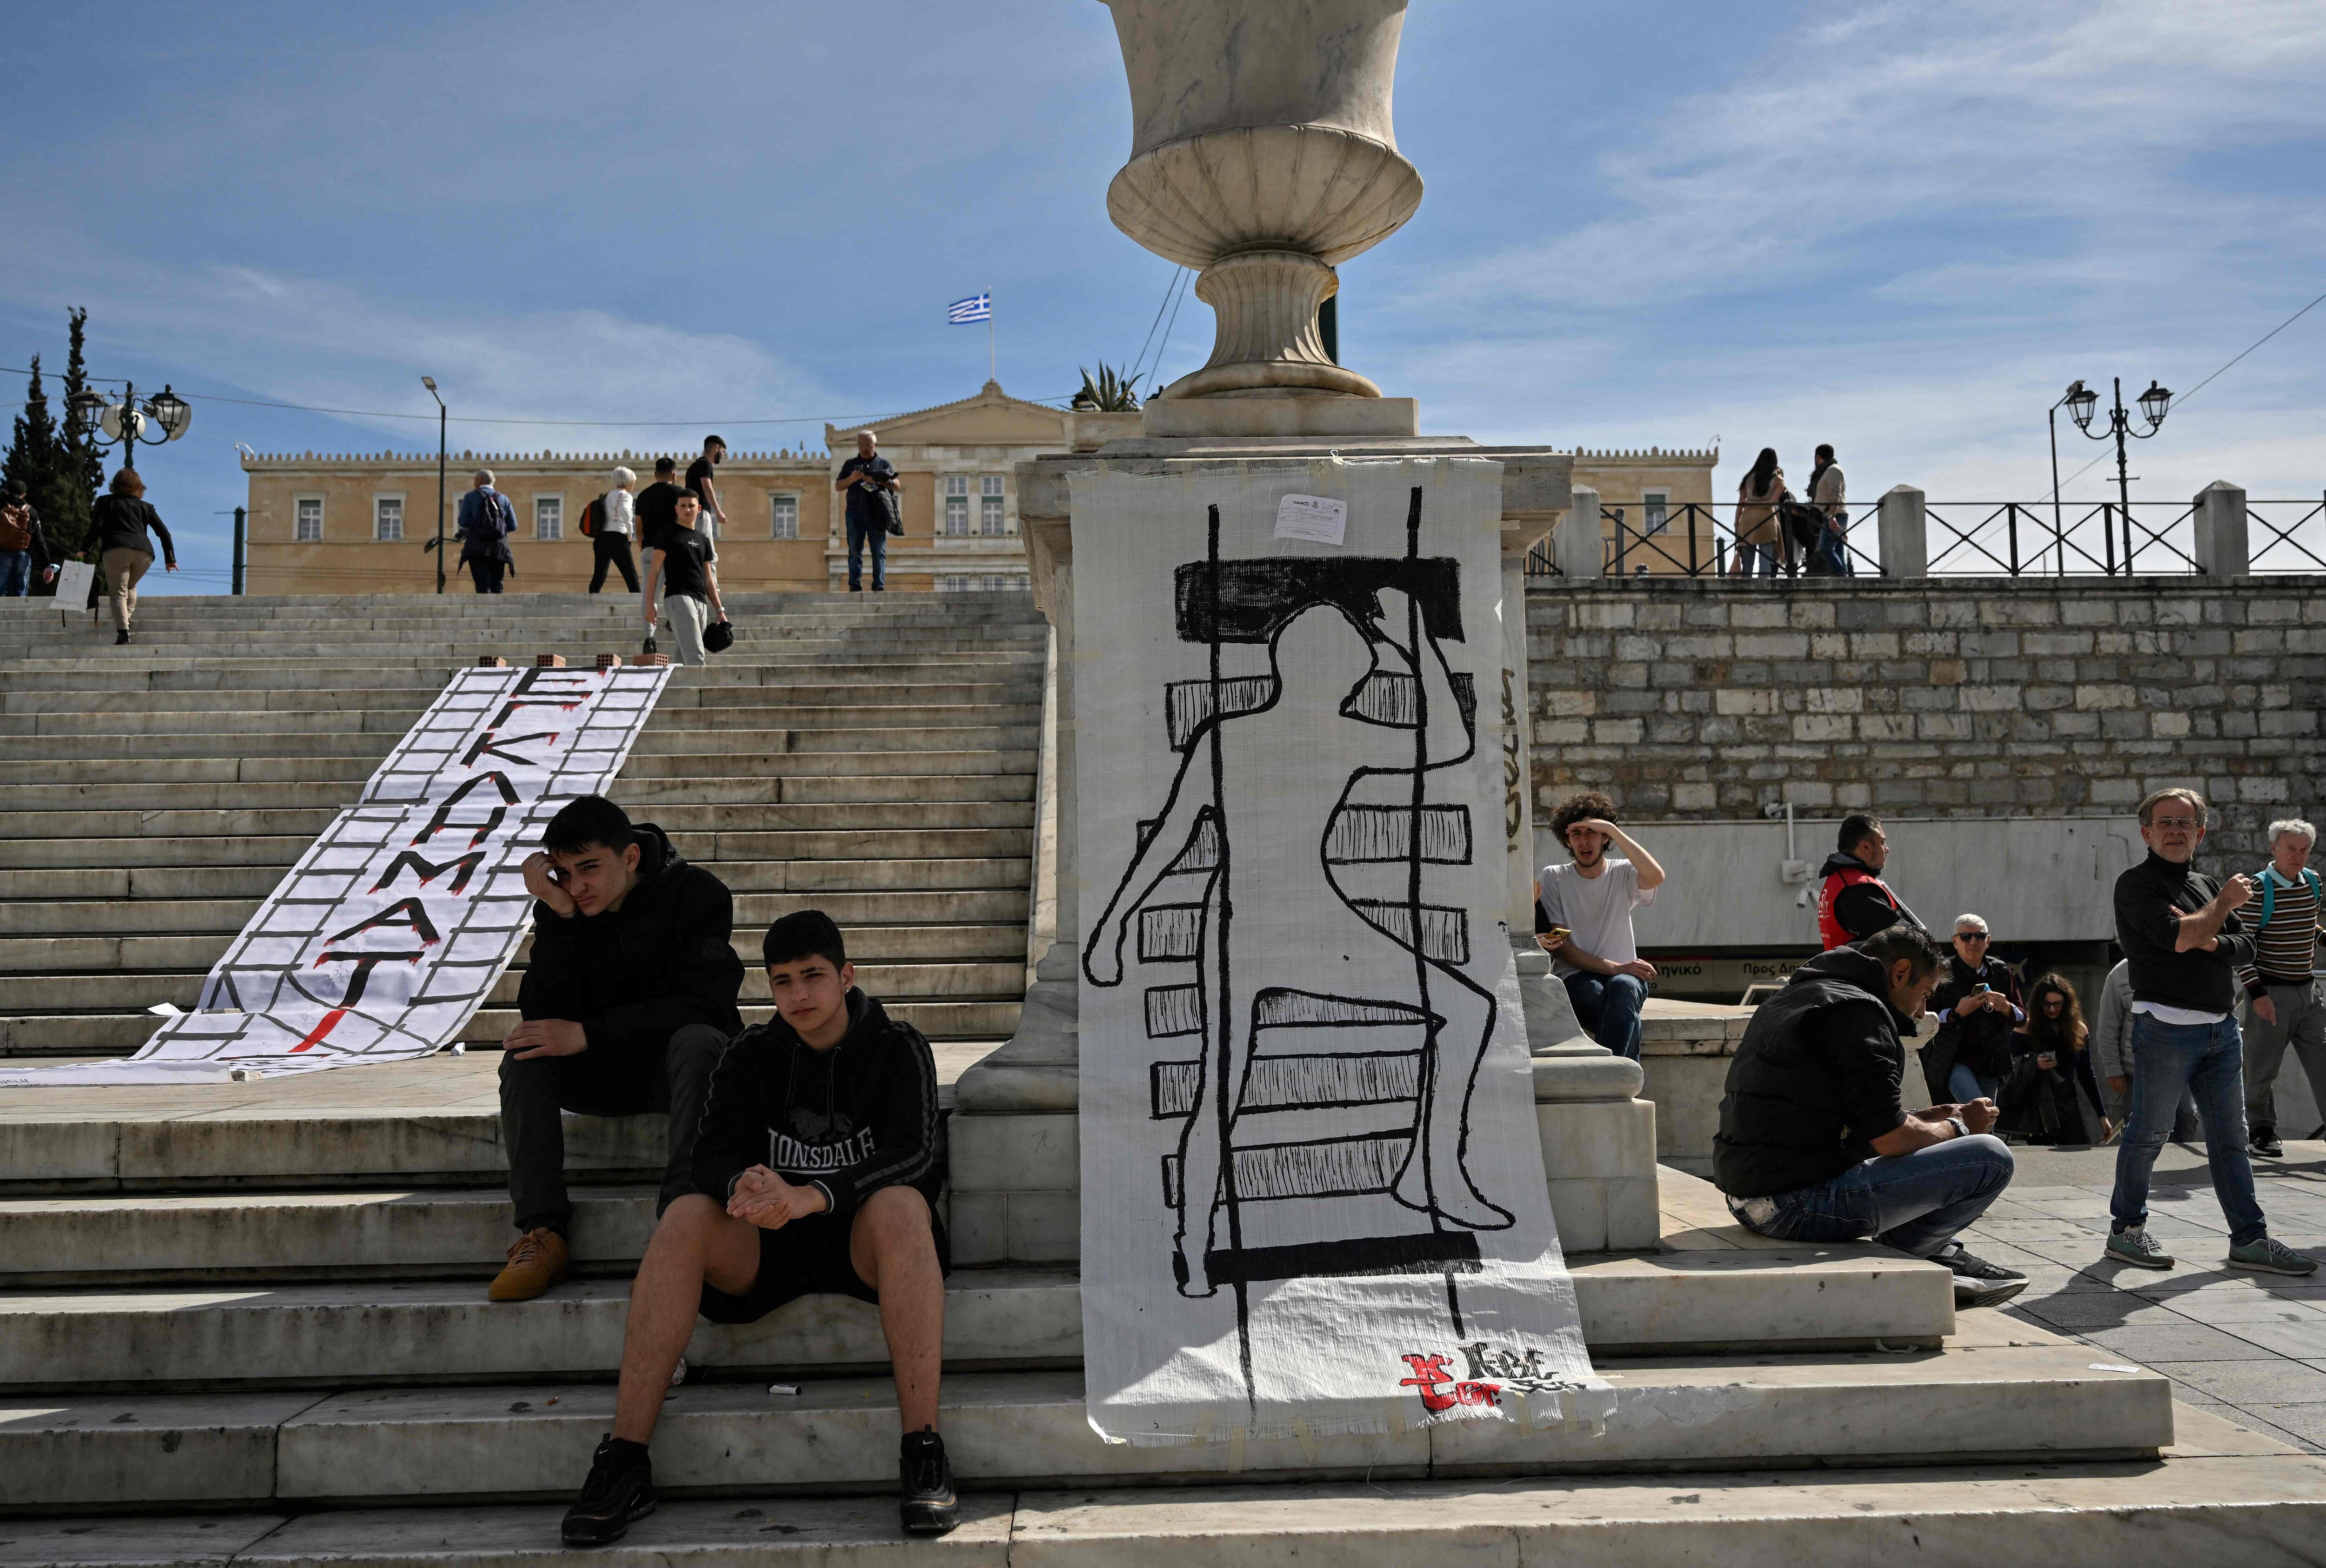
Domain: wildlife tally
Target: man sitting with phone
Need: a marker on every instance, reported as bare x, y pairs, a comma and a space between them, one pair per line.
817, 1172
1583, 919
628, 1001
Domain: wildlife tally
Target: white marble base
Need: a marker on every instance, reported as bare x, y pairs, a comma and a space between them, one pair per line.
1262, 417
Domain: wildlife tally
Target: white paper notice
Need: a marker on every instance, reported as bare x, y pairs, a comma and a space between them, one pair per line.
1312, 517
73, 579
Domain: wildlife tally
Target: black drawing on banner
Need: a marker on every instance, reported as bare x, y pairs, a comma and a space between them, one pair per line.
1358, 1002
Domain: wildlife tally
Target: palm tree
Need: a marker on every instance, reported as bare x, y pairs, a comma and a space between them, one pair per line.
1109, 393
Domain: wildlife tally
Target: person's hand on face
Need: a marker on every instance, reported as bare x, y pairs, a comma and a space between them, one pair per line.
541, 881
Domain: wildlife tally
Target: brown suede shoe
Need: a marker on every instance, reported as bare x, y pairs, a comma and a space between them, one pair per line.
536, 1263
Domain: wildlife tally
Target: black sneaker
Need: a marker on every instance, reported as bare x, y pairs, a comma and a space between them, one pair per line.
1978, 1282
2264, 1143
925, 1498
621, 1488
120, 639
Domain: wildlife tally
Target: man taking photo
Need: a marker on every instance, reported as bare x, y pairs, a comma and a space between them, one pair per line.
1815, 1143
869, 479
2181, 935
1584, 913
629, 1002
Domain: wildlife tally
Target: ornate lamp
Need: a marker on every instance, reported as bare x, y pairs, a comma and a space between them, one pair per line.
2154, 403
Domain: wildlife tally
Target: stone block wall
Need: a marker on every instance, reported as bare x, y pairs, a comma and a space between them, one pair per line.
1709, 698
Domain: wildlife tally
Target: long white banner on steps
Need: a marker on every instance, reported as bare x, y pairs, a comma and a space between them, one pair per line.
1313, 1198
395, 924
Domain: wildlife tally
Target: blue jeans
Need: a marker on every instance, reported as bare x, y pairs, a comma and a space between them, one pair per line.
16, 573
1914, 1202
877, 534
2210, 1059
1966, 1085
1762, 557
1608, 1007
1831, 553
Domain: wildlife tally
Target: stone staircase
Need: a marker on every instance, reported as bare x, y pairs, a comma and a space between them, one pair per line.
876, 757
246, 1323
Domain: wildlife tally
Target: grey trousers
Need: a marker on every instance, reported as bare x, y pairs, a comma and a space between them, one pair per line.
2300, 1024
536, 1091
687, 617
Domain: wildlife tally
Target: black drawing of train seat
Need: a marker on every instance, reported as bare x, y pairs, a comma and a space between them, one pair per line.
1324, 1116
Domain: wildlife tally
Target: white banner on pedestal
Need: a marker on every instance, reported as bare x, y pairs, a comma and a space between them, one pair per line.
395, 925
1312, 1185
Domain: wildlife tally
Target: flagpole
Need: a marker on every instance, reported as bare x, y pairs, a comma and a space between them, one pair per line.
993, 372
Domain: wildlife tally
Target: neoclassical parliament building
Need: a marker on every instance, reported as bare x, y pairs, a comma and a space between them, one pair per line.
358, 523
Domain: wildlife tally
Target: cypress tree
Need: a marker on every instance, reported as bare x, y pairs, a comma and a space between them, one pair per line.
33, 452
78, 467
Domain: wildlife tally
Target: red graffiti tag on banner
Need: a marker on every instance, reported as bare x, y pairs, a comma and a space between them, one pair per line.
1430, 1376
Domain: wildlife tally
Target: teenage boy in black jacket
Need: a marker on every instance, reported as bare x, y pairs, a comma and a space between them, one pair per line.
2183, 942
818, 1170
629, 1002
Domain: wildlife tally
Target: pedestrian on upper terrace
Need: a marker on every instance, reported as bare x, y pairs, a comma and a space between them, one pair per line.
611, 544
1584, 911
1978, 1004
486, 521
1815, 1143
629, 1002
2182, 935
118, 524
24, 547
2050, 1060
700, 479
1855, 902
1829, 557
870, 480
686, 570
1758, 540
2112, 1057
2282, 1005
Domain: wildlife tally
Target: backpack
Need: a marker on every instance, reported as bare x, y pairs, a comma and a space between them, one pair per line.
2269, 892
591, 516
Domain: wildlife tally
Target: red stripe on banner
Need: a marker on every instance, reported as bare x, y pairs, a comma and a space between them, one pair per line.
330, 1022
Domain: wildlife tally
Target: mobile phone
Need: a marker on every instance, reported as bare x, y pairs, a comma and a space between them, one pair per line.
1982, 986
1560, 932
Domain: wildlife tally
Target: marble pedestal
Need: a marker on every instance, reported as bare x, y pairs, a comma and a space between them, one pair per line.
1016, 1158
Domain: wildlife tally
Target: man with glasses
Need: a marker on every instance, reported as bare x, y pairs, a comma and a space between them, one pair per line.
1978, 1007
2181, 933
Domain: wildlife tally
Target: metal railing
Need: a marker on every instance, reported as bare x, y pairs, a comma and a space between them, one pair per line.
1691, 539
1966, 538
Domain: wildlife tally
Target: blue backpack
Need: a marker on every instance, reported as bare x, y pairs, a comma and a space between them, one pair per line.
2268, 880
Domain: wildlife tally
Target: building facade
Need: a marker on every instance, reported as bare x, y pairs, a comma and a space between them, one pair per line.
363, 523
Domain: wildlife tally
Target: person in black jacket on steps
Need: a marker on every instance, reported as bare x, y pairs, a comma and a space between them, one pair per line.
1815, 1143
629, 1002
817, 1172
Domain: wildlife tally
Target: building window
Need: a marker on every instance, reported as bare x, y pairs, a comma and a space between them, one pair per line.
956, 506
1655, 506
549, 516
989, 504
307, 520
787, 518
388, 518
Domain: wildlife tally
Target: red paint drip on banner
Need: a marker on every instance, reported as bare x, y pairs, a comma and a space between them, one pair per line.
330, 1022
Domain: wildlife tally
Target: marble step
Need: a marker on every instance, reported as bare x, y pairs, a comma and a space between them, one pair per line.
999, 748
199, 950
163, 673
2031, 1403
443, 1330
171, 900
353, 716
2220, 1496
713, 770
102, 1033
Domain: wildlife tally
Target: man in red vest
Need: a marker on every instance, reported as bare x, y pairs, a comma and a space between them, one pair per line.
1855, 902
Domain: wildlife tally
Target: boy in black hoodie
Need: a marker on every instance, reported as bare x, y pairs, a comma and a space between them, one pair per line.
629, 1002
817, 1171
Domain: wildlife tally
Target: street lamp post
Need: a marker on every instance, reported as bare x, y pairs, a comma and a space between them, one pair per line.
124, 424
430, 383
2154, 404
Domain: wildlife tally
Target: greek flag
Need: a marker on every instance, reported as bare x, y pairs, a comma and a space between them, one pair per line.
976, 308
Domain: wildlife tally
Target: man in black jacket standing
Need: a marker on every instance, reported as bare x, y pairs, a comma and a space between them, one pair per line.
1815, 1143
817, 1171
2184, 941
629, 1002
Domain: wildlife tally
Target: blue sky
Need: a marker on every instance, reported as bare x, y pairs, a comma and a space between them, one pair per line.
1899, 227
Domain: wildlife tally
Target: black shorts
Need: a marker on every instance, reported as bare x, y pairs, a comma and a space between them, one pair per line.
808, 1256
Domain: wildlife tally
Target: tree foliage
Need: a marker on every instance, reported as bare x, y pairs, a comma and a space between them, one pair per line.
1107, 392
62, 472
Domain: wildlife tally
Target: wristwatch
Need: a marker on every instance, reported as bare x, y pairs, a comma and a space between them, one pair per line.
1962, 1128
